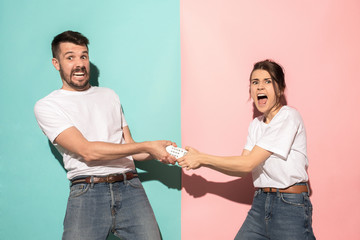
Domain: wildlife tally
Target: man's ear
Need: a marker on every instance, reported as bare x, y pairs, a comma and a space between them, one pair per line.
56, 64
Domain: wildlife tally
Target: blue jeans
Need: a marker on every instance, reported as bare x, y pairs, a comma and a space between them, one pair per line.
93, 210
278, 215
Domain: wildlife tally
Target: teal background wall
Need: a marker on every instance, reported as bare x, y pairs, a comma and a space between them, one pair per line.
135, 50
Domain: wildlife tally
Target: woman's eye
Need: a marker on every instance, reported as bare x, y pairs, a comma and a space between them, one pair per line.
268, 81
254, 82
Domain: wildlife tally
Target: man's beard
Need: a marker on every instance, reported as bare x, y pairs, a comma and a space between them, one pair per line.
72, 84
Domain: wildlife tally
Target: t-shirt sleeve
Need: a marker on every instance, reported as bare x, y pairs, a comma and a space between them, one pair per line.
250, 142
279, 136
123, 121
51, 121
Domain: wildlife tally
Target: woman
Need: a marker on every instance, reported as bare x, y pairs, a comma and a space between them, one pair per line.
275, 153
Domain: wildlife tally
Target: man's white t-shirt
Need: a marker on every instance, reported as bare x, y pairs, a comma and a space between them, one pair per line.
97, 114
285, 137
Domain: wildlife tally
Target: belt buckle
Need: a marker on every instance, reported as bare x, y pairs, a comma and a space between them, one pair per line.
108, 179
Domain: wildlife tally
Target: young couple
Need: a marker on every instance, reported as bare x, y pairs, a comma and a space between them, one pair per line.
87, 126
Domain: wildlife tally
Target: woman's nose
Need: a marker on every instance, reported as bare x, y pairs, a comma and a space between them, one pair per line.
260, 86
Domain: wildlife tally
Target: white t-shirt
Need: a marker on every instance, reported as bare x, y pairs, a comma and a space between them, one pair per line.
97, 114
285, 137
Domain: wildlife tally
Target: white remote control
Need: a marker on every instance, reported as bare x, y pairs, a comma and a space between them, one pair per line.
176, 151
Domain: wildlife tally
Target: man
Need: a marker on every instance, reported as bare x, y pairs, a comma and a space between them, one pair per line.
87, 126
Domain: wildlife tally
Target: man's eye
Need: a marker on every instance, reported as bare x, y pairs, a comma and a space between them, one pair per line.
70, 58
84, 57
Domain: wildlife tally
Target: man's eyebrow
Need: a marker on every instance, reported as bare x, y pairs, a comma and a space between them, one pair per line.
71, 52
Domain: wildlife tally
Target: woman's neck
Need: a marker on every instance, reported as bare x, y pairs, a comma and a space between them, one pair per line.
268, 116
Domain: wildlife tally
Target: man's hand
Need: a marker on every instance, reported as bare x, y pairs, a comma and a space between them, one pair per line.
158, 151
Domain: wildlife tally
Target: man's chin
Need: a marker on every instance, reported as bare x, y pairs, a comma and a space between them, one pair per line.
81, 87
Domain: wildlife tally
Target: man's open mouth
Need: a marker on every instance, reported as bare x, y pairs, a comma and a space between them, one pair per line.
79, 72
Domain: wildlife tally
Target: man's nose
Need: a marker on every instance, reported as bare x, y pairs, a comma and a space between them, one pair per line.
79, 62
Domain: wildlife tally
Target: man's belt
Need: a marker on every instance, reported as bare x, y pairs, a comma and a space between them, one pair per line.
106, 179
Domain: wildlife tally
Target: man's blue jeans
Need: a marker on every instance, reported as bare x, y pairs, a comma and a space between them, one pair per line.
123, 208
278, 216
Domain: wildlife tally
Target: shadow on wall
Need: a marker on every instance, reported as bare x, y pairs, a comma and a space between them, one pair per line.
239, 190
94, 75
169, 175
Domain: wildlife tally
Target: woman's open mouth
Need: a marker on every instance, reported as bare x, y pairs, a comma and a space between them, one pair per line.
262, 99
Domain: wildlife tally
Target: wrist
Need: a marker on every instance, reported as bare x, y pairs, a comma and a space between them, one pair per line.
146, 147
205, 159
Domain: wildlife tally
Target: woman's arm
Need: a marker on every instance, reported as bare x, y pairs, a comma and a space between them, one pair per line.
234, 165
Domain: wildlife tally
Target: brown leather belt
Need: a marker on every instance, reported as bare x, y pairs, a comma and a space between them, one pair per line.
107, 179
292, 189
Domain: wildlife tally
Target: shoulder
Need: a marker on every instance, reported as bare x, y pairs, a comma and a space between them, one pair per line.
290, 111
290, 114
105, 91
102, 89
48, 100
256, 122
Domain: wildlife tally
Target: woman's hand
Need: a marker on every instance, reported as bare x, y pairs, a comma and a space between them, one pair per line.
192, 160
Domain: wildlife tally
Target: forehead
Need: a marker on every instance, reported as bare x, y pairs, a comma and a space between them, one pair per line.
68, 47
260, 74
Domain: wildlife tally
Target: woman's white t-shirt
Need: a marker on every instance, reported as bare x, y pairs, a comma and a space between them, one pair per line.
285, 137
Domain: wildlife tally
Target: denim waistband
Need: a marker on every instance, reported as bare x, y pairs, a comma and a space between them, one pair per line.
85, 176
291, 189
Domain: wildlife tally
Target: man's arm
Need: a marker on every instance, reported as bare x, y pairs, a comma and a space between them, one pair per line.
72, 140
128, 139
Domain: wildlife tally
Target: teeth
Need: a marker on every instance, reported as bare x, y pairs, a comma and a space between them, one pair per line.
261, 96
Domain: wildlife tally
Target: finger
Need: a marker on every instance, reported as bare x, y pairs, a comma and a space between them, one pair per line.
172, 160
164, 161
182, 164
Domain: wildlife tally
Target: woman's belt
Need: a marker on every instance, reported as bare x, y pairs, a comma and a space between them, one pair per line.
292, 189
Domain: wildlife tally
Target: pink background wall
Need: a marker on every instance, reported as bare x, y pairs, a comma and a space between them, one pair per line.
317, 42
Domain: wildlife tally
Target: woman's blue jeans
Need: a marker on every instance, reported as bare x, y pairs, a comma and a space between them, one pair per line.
278, 216
123, 208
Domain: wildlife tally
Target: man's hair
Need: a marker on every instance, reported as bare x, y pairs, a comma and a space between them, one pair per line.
68, 36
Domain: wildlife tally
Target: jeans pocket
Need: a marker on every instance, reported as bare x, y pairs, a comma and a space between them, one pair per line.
78, 190
135, 183
293, 199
